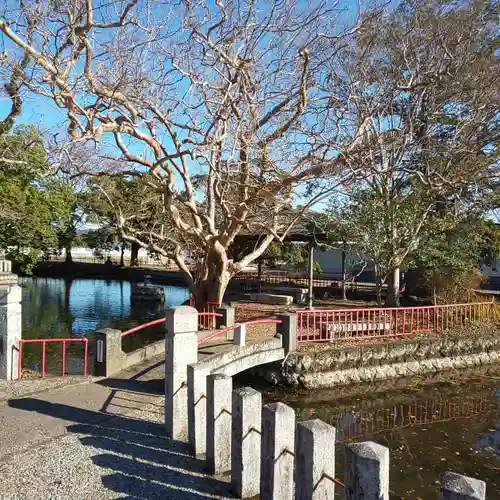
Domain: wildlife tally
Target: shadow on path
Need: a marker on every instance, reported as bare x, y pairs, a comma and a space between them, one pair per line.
135, 456
152, 386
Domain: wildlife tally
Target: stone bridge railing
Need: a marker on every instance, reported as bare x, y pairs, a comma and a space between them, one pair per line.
5, 266
266, 452
10, 321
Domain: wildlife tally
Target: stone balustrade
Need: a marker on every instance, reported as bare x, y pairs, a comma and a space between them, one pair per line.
262, 447
10, 321
273, 456
5, 266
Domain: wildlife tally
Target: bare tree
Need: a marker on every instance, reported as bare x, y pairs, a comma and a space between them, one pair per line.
418, 91
214, 101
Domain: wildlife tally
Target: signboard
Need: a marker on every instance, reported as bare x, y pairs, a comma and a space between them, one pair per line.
100, 351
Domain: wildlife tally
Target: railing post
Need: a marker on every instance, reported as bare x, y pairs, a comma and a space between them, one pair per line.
197, 409
85, 356
227, 319
219, 403
10, 329
108, 352
245, 444
457, 487
240, 335
277, 452
63, 362
181, 349
20, 360
288, 331
315, 461
366, 471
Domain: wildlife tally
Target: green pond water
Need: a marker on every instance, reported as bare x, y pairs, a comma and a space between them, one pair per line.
429, 426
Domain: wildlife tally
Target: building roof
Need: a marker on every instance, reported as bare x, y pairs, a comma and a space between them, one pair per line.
303, 229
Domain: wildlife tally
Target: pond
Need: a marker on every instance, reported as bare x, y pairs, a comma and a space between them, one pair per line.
55, 307
428, 428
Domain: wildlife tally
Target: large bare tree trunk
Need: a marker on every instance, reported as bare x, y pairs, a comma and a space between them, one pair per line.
134, 254
69, 256
214, 279
392, 299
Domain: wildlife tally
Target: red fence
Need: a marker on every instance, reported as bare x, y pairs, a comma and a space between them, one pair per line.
206, 317
84, 340
141, 327
316, 325
206, 320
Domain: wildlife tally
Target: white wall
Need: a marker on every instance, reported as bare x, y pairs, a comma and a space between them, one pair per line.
331, 261
88, 252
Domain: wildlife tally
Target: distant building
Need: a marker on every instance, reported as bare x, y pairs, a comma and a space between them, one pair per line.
356, 265
360, 268
84, 252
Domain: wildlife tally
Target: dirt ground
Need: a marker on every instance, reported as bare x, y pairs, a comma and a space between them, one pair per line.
249, 311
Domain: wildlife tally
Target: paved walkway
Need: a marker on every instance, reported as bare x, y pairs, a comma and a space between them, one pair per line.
98, 440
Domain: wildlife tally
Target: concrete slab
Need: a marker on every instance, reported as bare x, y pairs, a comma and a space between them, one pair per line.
273, 299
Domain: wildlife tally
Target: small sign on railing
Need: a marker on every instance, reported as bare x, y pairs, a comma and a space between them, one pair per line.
100, 351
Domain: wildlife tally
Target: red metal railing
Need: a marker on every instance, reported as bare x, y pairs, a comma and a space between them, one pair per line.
202, 315
84, 340
207, 315
229, 328
326, 325
141, 327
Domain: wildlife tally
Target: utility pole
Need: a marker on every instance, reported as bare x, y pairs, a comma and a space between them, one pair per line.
311, 273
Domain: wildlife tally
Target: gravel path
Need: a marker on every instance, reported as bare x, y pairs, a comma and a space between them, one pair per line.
76, 438
25, 387
96, 441
113, 458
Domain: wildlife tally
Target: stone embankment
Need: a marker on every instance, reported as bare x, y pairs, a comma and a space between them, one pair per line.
329, 365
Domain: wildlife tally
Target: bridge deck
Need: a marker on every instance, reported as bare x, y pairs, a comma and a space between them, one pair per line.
100, 440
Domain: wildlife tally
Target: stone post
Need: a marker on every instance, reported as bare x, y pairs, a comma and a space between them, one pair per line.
366, 471
219, 390
197, 409
239, 335
245, 442
457, 487
181, 349
108, 352
277, 452
227, 319
288, 331
10, 329
315, 461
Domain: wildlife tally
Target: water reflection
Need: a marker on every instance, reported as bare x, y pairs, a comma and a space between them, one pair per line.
429, 429
54, 307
